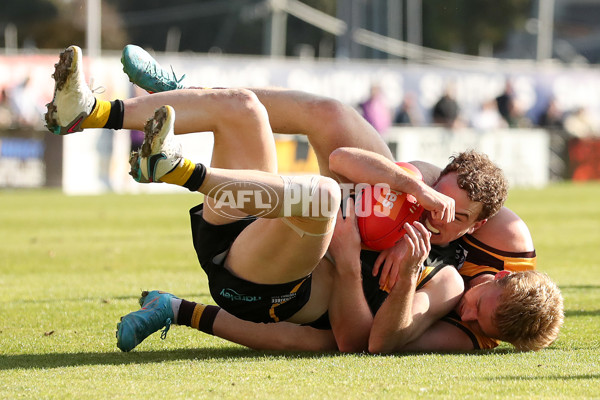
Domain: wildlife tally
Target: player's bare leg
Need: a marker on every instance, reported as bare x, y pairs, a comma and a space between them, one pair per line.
252, 258
256, 254
328, 123
243, 140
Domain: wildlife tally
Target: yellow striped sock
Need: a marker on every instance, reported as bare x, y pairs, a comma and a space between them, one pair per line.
196, 315
181, 173
99, 115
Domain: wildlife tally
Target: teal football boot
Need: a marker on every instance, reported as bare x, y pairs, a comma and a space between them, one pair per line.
156, 313
144, 71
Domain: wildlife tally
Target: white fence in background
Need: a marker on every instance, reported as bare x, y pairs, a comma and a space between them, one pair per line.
523, 154
96, 162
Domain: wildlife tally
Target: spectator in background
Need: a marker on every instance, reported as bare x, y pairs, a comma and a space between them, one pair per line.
446, 111
552, 116
376, 110
488, 117
580, 124
409, 113
23, 104
511, 110
6, 119
506, 104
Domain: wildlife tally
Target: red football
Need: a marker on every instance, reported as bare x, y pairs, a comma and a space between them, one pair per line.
381, 213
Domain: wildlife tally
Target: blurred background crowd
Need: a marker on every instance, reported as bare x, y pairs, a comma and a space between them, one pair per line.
531, 64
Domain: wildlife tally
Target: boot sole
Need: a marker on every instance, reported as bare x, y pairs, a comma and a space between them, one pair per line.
62, 71
153, 140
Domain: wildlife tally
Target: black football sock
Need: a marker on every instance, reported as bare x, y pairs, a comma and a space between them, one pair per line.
197, 316
115, 117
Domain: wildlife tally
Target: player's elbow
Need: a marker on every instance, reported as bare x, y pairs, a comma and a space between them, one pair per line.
351, 347
339, 159
377, 345
378, 348
351, 340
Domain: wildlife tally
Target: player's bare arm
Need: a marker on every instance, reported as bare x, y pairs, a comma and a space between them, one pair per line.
349, 314
391, 333
406, 314
441, 336
363, 166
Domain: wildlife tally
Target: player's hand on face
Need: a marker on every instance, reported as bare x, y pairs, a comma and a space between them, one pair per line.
345, 243
405, 258
439, 205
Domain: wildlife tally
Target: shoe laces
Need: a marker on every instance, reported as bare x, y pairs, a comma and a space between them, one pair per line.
156, 70
98, 89
175, 76
163, 334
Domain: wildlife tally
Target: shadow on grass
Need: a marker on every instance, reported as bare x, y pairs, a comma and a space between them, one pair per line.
582, 313
579, 287
60, 360
554, 377
483, 353
133, 298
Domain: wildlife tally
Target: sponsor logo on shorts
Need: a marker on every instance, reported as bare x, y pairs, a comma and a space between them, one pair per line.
232, 295
283, 298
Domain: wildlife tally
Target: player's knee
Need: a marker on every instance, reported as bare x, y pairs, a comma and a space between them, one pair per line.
310, 196
332, 114
337, 126
248, 101
330, 197
244, 104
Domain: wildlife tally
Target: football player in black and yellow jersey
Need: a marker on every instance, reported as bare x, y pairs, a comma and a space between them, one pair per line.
414, 314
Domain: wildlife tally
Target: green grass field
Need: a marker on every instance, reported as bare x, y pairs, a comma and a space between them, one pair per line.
71, 266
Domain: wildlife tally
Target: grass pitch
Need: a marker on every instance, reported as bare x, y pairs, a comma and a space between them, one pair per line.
71, 266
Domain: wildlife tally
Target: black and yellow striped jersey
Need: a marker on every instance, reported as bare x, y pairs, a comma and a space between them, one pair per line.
480, 342
439, 257
475, 258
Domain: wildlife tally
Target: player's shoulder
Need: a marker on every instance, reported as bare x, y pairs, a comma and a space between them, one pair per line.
506, 231
444, 281
429, 172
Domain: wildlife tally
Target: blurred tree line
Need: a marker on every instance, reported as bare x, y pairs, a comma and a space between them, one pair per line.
237, 26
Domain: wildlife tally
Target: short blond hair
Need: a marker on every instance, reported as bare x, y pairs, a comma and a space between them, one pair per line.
531, 310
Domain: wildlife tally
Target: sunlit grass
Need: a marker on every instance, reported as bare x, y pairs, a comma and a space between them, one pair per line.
71, 266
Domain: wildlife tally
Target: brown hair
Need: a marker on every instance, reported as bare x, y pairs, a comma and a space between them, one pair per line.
483, 181
530, 313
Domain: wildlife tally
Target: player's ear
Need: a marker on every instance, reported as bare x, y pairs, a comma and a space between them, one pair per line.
501, 274
476, 226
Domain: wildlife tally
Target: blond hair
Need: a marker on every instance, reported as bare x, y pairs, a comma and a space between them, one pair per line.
483, 181
530, 313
